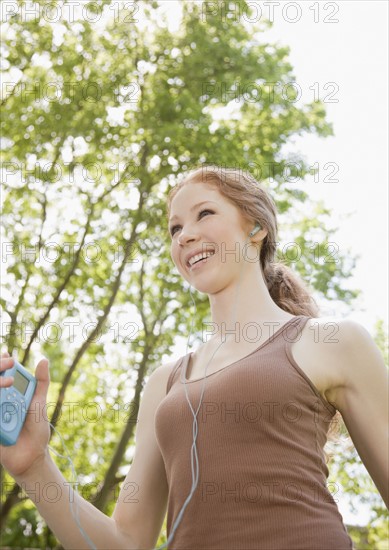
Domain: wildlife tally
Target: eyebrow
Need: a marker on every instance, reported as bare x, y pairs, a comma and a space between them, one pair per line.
193, 207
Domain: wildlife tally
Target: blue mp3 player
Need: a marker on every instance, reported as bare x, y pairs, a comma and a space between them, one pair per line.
14, 403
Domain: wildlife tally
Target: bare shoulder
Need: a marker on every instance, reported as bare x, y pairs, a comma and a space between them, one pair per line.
358, 359
165, 369
337, 337
330, 335
321, 350
335, 347
159, 377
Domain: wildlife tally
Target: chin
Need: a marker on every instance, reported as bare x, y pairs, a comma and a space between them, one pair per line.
207, 288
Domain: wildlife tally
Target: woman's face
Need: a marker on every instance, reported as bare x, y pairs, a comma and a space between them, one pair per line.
214, 225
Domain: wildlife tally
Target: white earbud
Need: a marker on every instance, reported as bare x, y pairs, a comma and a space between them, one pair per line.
255, 230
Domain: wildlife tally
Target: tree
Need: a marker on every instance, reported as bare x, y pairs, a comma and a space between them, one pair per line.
104, 117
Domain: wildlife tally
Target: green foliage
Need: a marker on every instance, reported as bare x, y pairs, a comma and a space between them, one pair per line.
90, 282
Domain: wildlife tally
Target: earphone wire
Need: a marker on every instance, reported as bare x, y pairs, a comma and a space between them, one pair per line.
194, 439
195, 425
76, 516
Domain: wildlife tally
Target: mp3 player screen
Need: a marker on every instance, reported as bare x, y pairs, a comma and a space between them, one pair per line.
20, 382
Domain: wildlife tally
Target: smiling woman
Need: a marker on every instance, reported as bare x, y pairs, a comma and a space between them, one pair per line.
259, 481
271, 406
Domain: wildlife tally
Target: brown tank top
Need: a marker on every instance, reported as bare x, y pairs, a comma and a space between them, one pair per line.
262, 426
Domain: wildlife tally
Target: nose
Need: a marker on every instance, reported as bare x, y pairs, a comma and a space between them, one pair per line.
185, 237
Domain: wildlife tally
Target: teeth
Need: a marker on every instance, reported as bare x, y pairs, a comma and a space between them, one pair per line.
199, 257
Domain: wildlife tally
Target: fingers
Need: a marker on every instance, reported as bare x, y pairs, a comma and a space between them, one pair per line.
6, 362
6, 381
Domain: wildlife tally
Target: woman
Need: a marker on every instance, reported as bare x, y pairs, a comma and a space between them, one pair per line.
268, 402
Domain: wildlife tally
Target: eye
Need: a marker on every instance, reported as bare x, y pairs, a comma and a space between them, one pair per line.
202, 212
173, 229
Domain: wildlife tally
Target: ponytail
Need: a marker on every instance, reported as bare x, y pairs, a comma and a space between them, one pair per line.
288, 291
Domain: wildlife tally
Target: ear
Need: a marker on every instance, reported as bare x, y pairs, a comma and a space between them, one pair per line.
259, 236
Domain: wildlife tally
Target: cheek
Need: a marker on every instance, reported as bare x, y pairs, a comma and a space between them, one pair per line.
174, 254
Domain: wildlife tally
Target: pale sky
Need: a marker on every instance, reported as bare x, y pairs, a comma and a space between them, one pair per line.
352, 55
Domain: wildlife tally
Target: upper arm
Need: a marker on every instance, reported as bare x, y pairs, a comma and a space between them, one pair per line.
141, 506
363, 400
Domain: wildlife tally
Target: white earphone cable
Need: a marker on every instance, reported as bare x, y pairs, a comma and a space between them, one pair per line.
195, 478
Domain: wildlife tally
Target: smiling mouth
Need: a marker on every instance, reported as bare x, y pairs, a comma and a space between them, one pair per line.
203, 261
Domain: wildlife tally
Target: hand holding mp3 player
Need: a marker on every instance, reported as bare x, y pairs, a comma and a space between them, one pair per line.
23, 437
14, 403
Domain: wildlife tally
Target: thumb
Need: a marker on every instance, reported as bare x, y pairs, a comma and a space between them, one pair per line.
42, 376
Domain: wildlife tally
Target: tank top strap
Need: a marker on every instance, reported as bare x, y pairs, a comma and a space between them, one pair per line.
172, 375
294, 329
292, 332
291, 335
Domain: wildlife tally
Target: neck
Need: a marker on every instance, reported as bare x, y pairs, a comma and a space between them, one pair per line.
242, 317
